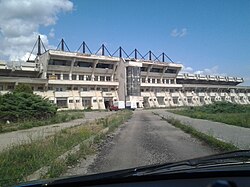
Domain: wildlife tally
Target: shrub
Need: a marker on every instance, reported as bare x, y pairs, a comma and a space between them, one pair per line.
22, 105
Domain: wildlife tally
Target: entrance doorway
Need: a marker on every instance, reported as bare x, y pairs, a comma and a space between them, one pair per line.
108, 101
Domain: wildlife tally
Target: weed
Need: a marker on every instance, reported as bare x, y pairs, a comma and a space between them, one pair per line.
18, 162
56, 168
229, 113
62, 116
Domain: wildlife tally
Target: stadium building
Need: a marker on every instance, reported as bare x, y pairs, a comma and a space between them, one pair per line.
81, 80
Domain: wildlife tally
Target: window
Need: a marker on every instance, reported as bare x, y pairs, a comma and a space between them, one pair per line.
94, 100
84, 89
158, 81
40, 88
112, 89
75, 88
142, 90
81, 77
171, 70
153, 80
100, 100
105, 89
77, 101
10, 87
69, 88
144, 69
59, 62
88, 78
70, 101
58, 76
102, 78
65, 76
73, 77
1, 87
156, 70
50, 88
48, 75
92, 88
143, 80
104, 66
96, 78
98, 88
84, 64
149, 81
108, 78
59, 89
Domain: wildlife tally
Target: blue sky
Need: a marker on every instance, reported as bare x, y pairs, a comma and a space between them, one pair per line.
206, 36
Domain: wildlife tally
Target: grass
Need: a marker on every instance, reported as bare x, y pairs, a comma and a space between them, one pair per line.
209, 140
232, 114
61, 116
20, 161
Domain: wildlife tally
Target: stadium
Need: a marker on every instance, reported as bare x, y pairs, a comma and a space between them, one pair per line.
83, 80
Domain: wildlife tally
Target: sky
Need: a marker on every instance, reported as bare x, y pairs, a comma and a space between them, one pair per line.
206, 36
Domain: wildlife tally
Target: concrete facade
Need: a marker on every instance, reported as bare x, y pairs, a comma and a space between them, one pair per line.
80, 81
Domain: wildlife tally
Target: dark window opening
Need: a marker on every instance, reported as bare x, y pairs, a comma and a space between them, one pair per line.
60, 62
73, 77
144, 69
156, 70
171, 71
104, 66
84, 64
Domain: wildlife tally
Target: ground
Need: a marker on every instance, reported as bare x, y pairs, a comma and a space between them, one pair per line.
144, 140
24, 136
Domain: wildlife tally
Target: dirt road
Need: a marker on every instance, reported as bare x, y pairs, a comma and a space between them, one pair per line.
145, 139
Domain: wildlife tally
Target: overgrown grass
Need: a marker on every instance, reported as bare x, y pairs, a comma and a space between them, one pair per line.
209, 140
229, 113
20, 161
61, 116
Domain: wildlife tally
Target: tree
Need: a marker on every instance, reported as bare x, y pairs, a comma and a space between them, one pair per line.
23, 88
22, 105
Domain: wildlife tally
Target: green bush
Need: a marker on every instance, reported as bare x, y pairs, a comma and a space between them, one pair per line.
22, 105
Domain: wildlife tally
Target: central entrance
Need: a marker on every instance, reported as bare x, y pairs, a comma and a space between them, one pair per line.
108, 101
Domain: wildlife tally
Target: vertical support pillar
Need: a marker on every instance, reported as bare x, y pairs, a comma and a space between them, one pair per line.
120, 52
62, 45
83, 47
102, 49
39, 46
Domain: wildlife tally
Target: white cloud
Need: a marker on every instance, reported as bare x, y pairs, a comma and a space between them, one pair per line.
187, 69
52, 33
179, 32
207, 71
20, 21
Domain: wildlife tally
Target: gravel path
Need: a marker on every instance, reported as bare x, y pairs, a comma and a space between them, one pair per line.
25, 136
145, 139
239, 136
